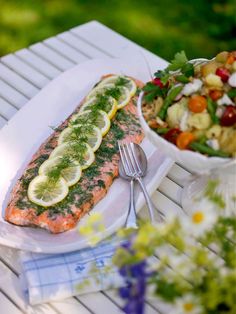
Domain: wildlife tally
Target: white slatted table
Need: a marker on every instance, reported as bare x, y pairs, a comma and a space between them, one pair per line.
22, 75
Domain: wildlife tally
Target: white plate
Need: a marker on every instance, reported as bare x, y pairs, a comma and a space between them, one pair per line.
21, 137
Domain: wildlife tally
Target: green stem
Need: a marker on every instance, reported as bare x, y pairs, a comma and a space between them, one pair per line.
204, 149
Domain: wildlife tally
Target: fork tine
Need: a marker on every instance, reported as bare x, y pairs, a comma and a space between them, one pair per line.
129, 160
123, 159
132, 159
135, 157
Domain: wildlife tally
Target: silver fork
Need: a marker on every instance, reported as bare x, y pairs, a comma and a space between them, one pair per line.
131, 219
134, 170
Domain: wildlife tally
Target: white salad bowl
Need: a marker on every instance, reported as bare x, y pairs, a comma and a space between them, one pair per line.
221, 170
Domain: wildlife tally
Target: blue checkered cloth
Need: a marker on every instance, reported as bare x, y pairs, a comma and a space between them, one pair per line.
47, 277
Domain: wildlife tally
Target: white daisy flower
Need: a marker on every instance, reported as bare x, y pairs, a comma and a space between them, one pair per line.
188, 304
200, 219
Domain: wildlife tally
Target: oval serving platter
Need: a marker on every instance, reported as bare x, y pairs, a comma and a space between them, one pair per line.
24, 133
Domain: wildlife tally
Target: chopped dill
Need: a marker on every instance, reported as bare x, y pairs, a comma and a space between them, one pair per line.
76, 151
114, 92
55, 172
103, 102
86, 119
122, 81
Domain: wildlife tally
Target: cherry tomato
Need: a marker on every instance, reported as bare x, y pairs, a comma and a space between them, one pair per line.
229, 116
223, 73
172, 134
215, 94
197, 103
184, 139
157, 82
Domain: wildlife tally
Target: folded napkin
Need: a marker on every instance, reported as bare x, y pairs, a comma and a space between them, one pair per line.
47, 277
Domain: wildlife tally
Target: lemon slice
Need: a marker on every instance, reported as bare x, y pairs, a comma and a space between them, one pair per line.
78, 152
115, 79
71, 173
102, 89
92, 133
99, 90
98, 118
109, 106
124, 98
46, 193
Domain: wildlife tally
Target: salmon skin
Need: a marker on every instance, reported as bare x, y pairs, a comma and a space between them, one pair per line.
93, 185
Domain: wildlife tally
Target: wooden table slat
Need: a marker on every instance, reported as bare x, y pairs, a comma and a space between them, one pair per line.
70, 306
16, 81
165, 205
97, 302
10, 284
51, 56
80, 45
6, 306
114, 44
11, 95
65, 50
6, 110
27, 72
2, 121
41, 65
178, 174
172, 190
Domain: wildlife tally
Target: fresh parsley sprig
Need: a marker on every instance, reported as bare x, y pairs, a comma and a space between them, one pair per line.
185, 70
152, 91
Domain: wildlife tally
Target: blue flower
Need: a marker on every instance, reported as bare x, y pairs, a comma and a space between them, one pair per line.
79, 268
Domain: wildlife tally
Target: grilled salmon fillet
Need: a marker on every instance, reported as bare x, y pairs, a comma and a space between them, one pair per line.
93, 185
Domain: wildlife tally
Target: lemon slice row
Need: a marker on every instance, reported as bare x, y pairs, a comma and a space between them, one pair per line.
45, 192
54, 191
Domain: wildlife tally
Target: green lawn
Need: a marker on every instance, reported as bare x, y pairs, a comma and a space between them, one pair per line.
201, 28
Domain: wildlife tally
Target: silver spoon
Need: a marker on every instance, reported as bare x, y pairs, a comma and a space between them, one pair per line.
131, 220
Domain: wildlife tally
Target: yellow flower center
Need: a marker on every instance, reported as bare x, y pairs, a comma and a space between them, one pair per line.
198, 217
188, 307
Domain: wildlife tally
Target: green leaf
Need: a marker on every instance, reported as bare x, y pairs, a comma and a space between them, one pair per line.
182, 78
149, 97
179, 61
152, 91
149, 87
165, 78
187, 69
159, 74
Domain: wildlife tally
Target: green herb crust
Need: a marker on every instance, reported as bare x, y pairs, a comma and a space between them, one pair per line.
81, 192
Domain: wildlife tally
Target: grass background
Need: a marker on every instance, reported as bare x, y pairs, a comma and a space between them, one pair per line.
201, 27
